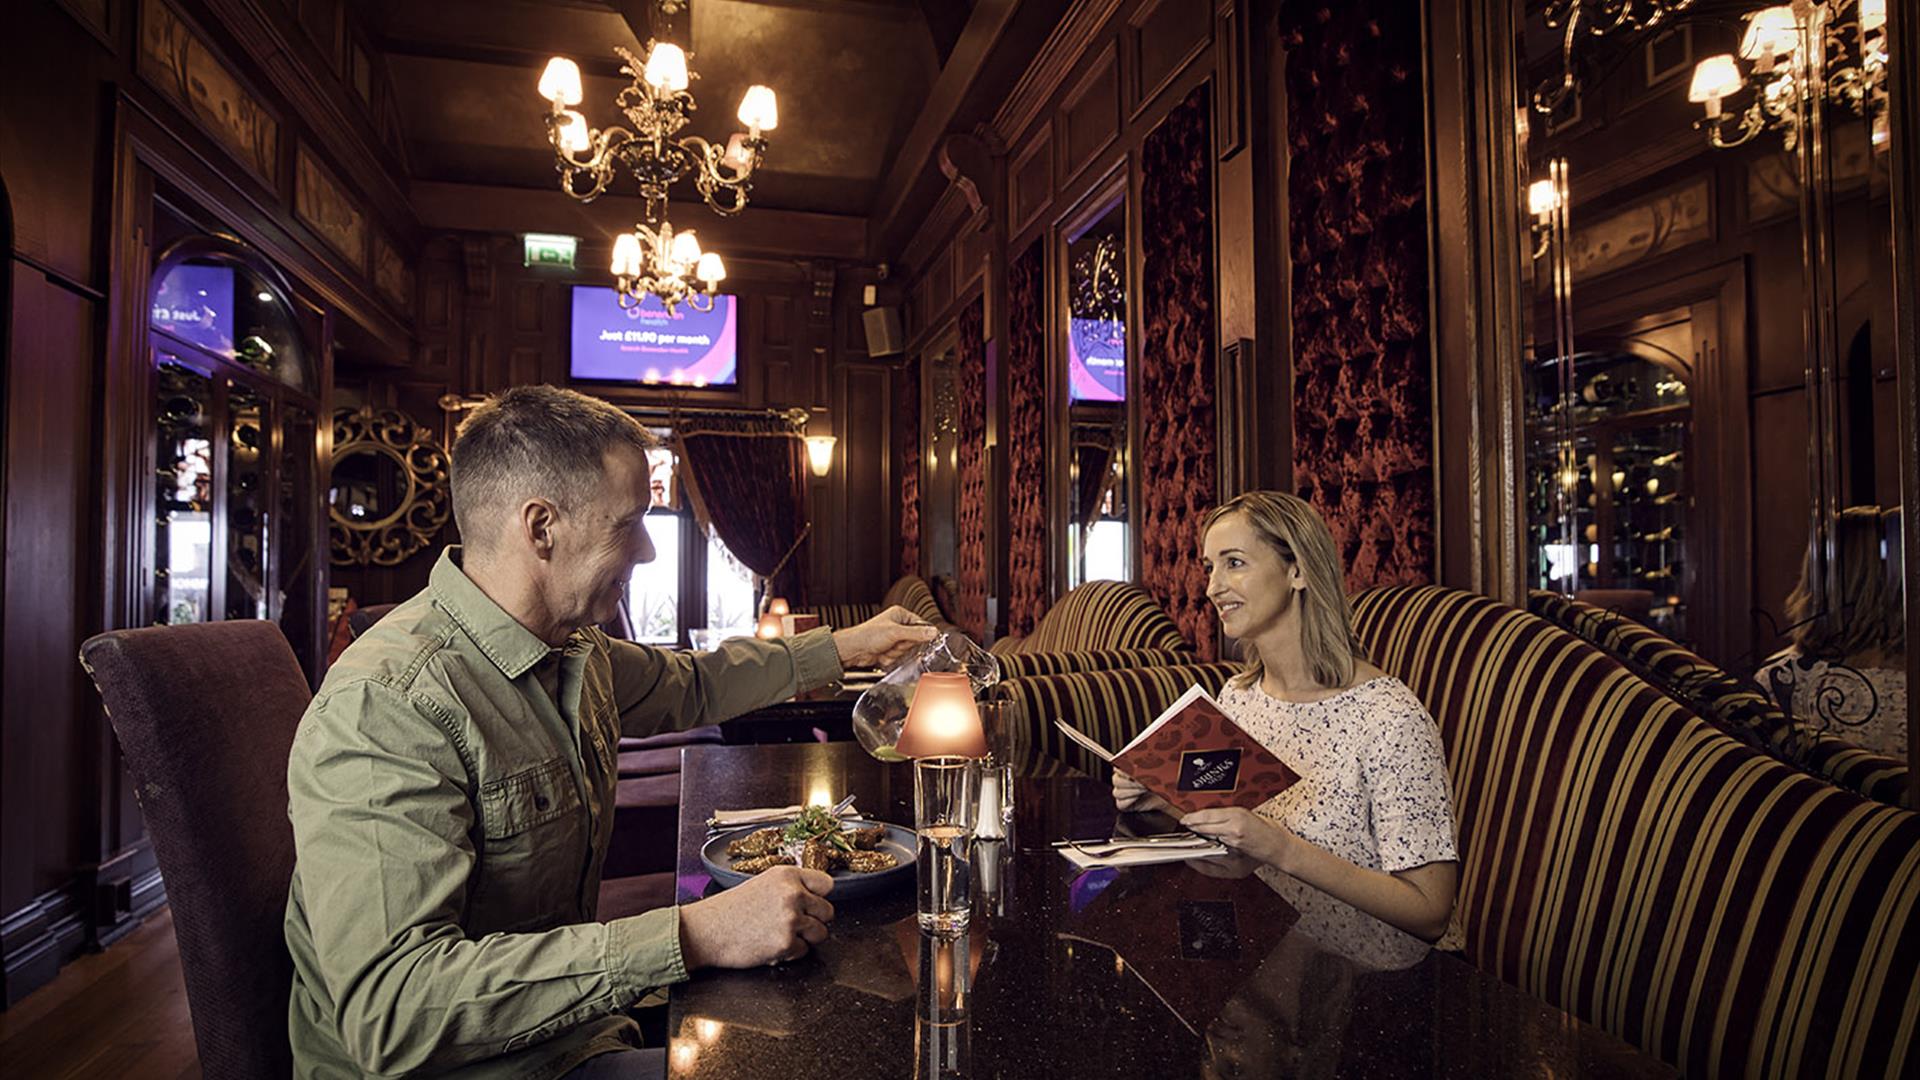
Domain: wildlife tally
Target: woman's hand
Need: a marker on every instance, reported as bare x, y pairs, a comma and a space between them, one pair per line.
1244, 831
1130, 795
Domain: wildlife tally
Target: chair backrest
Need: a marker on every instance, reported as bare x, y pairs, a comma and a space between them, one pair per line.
206, 716
1736, 705
361, 620
1633, 864
1101, 615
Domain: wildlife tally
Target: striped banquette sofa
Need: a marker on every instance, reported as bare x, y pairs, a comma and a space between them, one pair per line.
1738, 705
1098, 626
1622, 858
910, 592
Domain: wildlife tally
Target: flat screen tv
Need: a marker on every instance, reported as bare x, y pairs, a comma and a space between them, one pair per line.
643, 344
194, 302
1096, 360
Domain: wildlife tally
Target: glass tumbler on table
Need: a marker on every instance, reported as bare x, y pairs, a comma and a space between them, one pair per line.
946, 805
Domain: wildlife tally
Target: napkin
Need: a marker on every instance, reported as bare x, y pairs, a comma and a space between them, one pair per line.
1142, 855
763, 815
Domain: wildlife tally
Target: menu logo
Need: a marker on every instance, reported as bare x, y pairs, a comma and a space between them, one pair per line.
1210, 770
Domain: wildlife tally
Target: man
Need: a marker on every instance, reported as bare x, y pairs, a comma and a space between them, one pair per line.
452, 785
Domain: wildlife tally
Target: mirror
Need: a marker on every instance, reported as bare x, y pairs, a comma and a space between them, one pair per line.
388, 495
1098, 537
1710, 379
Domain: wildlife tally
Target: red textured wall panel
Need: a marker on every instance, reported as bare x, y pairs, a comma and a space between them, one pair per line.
1027, 593
971, 561
907, 409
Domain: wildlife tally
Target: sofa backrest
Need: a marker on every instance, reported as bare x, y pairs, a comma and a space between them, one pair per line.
1020, 665
910, 592
1101, 615
1630, 862
1110, 706
1738, 706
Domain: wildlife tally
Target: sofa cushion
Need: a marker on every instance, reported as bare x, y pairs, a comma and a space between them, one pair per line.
1738, 706
1111, 706
1630, 862
1100, 615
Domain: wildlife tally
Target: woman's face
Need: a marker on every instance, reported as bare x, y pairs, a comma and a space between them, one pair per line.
1249, 582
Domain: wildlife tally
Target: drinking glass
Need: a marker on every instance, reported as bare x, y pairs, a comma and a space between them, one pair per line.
945, 808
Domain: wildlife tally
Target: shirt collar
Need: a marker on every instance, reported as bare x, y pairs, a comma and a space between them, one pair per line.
513, 648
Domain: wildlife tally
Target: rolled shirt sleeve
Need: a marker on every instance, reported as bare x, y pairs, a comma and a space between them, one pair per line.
384, 821
660, 690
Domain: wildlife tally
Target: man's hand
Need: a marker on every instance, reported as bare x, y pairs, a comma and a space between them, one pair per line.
883, 639
1128, 794
774, 916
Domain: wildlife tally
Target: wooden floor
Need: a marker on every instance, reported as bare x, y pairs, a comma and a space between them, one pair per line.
118, 1013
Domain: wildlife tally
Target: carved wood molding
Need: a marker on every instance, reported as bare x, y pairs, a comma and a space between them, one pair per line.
970, 162
422, 507
1056, 60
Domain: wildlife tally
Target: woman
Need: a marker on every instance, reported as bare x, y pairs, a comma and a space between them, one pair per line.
1371, 819
1846, 675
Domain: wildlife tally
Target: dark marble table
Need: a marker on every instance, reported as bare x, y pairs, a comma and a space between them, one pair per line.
1144, 973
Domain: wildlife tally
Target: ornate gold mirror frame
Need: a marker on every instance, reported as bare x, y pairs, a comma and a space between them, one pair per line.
424, 501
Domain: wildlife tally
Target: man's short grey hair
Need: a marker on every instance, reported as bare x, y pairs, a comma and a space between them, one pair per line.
534, 442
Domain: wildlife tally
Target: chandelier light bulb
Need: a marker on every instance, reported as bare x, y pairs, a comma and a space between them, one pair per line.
1542, 198
710, 269
759, 111
1771, 33
1873, 15
574, 136
1714, 78
560, 83
626, 255
685, 252
738, 157
667, 68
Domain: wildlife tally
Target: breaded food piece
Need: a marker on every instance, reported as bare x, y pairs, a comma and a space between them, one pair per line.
757, 863
868, 838
758, 842
817, 855
868, 862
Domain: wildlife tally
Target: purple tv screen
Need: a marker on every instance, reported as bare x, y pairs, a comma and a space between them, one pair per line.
195, 303
1096, 360
644, 344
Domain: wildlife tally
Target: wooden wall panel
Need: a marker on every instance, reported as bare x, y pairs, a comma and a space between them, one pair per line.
1163, 36
1090, 116
1030, 180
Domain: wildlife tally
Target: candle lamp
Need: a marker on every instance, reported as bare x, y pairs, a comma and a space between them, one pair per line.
778, 606
768, 627
942, 735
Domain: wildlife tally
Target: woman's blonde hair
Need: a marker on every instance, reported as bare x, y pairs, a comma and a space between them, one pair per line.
1868, 614
1291, 526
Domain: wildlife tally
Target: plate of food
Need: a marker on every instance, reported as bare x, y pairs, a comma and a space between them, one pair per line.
863, 856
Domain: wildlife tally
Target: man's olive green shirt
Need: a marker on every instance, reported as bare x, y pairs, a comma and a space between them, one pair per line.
449, 826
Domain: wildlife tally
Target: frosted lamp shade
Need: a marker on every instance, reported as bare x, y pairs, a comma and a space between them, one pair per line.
666, 68
1542, 199
1771, 32
686, 249
768, 627
1715, 78
779, 606
758, 109
574, 136
820, 454
738, 157
943, 720
1873, 15
710, 269
626, 255
560, 83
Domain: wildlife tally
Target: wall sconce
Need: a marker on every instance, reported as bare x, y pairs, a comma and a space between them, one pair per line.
820, 453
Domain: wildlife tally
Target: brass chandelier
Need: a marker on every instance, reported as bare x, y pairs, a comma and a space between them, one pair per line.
1778, 43
654, 259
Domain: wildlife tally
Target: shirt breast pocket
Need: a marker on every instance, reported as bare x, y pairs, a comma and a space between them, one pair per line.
529, 871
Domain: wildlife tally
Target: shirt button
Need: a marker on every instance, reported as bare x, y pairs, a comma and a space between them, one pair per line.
539, 802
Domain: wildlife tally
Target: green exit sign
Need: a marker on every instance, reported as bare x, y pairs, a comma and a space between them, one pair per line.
547, 249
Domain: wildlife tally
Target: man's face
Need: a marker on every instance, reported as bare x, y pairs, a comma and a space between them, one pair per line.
599, 542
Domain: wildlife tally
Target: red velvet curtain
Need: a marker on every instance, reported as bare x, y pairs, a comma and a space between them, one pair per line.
1027, 592
749, 485
1178, 439
971, 377
1362, 396
907, 410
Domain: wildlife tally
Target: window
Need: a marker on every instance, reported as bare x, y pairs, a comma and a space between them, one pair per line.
693, 580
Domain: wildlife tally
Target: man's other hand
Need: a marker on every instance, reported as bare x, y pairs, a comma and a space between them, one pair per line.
882, 640
774, 916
